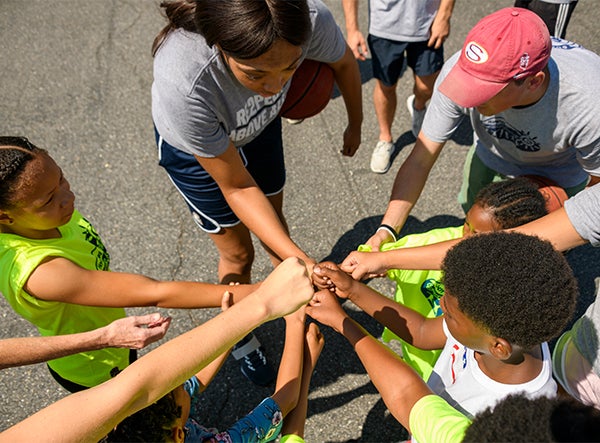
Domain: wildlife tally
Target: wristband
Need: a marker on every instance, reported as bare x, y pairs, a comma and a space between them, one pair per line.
389, 229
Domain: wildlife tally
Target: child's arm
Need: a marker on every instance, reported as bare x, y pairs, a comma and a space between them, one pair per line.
411, 326
60, 279
399, 385
100, 408
293, 425
130, 332
287, 387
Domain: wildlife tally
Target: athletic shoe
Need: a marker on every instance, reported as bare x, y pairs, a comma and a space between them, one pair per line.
381, 159
253, 361
417, 116
294, 121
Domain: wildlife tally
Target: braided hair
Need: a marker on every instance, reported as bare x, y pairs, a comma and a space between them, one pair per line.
512, 202
15, 154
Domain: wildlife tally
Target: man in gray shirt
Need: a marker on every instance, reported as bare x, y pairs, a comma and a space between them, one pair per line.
532, 102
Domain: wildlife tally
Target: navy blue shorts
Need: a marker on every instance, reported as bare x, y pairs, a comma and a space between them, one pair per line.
262, 157
390, 58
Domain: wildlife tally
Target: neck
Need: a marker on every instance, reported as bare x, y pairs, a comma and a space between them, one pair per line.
30, 233
520, 367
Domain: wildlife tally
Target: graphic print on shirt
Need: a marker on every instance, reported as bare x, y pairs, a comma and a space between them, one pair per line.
458, 361
98, 250
255, 115
433, 290
498, 127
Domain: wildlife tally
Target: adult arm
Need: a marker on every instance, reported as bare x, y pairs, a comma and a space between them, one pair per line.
354, 37
133, 332
440, 27
99, 409
347, 78
59, 279
249, 203
399, 385
408, 185
555, 227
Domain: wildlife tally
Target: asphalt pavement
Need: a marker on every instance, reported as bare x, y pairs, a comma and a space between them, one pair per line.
76, 78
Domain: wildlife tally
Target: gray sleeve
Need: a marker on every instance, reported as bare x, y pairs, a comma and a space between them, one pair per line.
327, 43
443, 116
583, 211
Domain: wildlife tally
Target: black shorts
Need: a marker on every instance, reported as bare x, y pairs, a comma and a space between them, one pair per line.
390, 58
262, 157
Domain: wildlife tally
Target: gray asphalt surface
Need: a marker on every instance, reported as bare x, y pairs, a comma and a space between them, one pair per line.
76, 80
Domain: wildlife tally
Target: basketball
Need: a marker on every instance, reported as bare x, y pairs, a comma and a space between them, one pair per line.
310, 91
555, 195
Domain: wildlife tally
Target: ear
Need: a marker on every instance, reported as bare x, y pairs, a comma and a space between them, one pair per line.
535, 81
500, 348
178, 434
5, 218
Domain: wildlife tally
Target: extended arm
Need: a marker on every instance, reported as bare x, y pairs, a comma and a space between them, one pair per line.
130, 332
99, 409
411, 326
399, 385
347, 77
60, 279
408, 185
249, 203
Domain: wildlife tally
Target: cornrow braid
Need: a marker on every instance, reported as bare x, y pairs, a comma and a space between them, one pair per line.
512, 202
15, 153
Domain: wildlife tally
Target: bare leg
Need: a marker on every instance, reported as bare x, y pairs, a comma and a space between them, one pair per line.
236, 254
385, 101
423, 89
313, 345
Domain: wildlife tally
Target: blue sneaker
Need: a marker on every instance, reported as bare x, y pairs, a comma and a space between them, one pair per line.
253, 361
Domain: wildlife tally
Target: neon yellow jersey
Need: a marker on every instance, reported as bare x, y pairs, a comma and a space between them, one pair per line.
420, 290
79, 243
433, 420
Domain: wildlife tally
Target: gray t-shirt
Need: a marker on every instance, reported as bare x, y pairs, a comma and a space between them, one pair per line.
558, 137
402, 20
198, 106
583, 211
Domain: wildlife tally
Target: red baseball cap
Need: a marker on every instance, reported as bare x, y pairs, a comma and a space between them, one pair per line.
509, 44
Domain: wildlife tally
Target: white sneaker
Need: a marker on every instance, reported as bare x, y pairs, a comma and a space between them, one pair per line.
294, 121
417, 116
381, 159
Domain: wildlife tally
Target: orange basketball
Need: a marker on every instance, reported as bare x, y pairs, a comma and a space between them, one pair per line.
310, 91
555, 195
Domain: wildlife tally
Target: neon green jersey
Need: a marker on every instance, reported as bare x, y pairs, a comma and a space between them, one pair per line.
79, 243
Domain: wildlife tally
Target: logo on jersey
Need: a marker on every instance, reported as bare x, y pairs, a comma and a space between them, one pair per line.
98, 250
433, 290
497, 127
475, 53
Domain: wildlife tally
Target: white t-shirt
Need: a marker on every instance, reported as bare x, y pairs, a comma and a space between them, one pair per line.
457, 378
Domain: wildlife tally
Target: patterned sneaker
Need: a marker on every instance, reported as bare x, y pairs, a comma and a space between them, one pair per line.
253, 361
417, 116
381, 159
